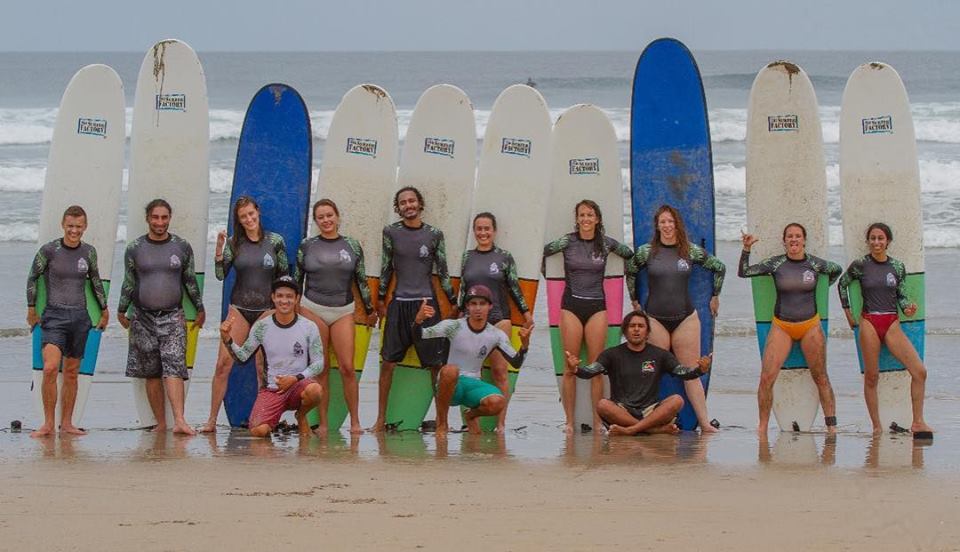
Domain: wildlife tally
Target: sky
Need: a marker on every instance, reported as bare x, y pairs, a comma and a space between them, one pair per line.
452, 25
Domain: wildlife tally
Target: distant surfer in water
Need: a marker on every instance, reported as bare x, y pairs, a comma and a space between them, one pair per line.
257, 258
158, 267
635, 369
674, 323
795, 318
883, 289
328, 266
66, 264
411, 250
583, 315
293, 358
472, 340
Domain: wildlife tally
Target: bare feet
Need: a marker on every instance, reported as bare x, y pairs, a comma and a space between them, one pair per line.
499, 429
441, 430
208, 427
355, 428
671, 429
71, 429
473, 424
182, 428
919, 427
762, 431
877, 430
321, 430
159, 428
46, 430
707, 428
568, 428
831, 430
619, 430
378, 427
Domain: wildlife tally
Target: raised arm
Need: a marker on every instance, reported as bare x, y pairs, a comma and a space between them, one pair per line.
746, 270
223, 263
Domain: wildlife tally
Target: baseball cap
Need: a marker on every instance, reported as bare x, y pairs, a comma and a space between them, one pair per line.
479, 291
285, 281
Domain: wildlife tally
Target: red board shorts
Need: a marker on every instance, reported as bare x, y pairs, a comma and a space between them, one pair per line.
270, 405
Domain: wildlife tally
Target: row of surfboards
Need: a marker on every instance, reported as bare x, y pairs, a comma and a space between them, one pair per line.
530, 174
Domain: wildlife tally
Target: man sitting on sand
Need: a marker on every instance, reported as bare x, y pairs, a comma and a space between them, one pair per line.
293, 358
635, 369
472, 340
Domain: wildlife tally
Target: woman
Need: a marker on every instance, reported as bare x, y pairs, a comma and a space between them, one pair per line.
257, 259
328, 266
674, 323
583, 314
795, 318
883, 289
494, 268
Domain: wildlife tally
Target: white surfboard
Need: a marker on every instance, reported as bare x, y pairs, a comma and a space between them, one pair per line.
169, 158
786, 182
585, 164
880, 182
85, 168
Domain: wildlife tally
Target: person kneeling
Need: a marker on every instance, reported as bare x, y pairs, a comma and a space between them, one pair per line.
293, 358
472, 339
635, 369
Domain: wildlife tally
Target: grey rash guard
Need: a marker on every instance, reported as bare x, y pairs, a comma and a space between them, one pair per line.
156, 273
67, 270
497, 270
583, 266
796, 282
288, 350
412, 253
330, 268
883, 285
257, 265
469, 347
668, 277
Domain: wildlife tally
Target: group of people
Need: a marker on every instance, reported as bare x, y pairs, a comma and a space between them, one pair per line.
290, 317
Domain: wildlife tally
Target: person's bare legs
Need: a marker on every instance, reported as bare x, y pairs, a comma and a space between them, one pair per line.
48, 389
155, 396
309, 398
446, 386
174, 389
870, 351
500, 372
323, 407
814, 346
68, 396
595, 335
221, 374
901, 348
342, 334
383, 394
775, 352
571, 336
491, 405
686, 347
660, 419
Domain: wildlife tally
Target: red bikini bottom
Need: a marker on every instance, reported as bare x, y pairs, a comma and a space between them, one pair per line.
881, 322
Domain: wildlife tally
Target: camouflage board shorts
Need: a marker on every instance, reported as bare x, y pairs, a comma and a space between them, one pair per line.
158, 345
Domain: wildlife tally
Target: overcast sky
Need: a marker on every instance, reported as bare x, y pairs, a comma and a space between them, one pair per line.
348, 25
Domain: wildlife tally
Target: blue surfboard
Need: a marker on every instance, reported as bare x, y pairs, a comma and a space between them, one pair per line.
274, 160
671, 162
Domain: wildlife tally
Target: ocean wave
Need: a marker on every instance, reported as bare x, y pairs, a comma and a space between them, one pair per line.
31, 179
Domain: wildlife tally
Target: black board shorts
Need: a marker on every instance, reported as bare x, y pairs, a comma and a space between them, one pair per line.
398, 334
66, 328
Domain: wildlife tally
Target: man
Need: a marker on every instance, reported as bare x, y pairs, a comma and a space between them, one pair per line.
472, 340
158, 266
635, 369
411, 249
293, 357
66, 264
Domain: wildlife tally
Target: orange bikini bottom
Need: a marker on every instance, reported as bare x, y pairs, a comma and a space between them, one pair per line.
796, 330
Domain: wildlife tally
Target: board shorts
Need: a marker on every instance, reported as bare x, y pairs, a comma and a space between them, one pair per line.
796, 330
582, 308
470, 392
250, 316
329, 315
881, 322
637, 413
67, 328
398, 334
270, 405
158, 345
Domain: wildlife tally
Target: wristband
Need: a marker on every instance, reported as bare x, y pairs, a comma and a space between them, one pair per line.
300, 377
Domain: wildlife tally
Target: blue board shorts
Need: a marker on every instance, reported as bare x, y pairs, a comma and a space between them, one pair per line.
471, 391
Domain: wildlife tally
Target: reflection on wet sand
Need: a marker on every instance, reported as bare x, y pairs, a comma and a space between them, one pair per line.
894, 451
798, 449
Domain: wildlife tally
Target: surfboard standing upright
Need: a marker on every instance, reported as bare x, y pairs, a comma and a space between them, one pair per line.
585, 164
169, 159
513, 182
439, 158
85, 168
359, 173
671, 163
274, 160
880, 182
786, 182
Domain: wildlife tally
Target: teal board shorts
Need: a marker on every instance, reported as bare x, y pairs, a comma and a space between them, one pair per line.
470, 391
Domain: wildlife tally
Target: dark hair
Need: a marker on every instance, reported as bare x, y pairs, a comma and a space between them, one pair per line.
239, 233
486, 215
396, 198
683, 245
883, 228
324, 202
599, 244
157, 203
798, 225
629, 317
73, 211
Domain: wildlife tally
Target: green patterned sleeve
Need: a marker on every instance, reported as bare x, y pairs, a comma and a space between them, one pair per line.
188, 276
360, 275
902, 300
463, 269
129, 279
746, 270
315, 347
37, 268
444, 328
221, 267
386, 264
440, 262
552, 248
298, 273
634, 265
513, 285
700, 256
854, 272
282, 267
619, 249
242, 353
831, 269
94, 275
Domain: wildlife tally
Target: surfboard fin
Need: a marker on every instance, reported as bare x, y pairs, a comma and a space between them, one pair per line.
796, 427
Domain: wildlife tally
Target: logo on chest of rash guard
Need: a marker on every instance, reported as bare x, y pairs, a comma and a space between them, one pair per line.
683, 265
809, 276
267, 261
83, 267
297, 349
891, 280
482, 353
596, 258
174, 261
494, 268
648, 366
344, 256
424, 252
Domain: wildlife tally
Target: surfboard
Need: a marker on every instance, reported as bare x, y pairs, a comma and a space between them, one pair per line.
513, 181
85, 168
274, 161
880, 182
439, 157
169, 158
359, 170
786, 182
585, 164
671, 163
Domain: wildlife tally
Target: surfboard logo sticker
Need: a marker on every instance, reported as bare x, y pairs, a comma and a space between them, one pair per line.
439, 146
516, 146
171, 102
362, 146
92, 127
877, 125
588, 165
783, 123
